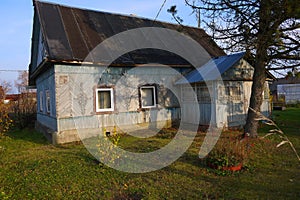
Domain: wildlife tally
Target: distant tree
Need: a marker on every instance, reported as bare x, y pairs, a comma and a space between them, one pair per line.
268, 30
289, 74
22, 82
5, 87
293, 73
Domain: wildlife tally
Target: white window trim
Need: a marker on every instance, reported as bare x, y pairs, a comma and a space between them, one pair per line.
41, 101
154, 96
48, 104
111, 100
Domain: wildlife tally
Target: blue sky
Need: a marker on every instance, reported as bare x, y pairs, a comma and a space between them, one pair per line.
16, 24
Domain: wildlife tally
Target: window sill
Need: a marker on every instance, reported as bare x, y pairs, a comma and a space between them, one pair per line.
145, 109
106, 112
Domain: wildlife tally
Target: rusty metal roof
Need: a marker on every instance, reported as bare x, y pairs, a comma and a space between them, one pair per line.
71, 33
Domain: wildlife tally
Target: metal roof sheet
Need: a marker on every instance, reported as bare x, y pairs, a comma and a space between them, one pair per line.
71, 33
212, 69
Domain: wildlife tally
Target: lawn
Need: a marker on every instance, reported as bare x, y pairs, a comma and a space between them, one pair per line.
31, 168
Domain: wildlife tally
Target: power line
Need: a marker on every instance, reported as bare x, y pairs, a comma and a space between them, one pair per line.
12, 70
163, 4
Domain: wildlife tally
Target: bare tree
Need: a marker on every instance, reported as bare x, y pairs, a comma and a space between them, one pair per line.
268, 30
22, 82
5, 87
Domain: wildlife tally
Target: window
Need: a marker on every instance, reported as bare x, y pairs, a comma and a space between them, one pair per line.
266, 91
203, 95
104, 99
41, 101
148, 97
234, 92
187, 94
48, 105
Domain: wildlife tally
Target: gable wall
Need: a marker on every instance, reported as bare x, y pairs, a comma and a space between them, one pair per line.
41, 50
240, 71
38, 46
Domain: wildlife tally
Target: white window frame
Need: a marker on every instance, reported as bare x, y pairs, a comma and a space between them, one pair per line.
48, 101
112, 107
153, 93
41, 97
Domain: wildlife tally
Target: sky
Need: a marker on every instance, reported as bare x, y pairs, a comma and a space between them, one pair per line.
16, 18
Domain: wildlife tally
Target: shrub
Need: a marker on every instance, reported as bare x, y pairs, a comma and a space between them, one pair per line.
107, 144
229, 151
24, 110
5, 121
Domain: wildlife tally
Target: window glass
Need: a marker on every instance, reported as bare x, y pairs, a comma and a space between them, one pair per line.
104, 99
234, 92
48, 105
148, 98
203, 94
41, 101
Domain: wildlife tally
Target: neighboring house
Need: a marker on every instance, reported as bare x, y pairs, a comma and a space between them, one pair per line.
286, 90
290, 92
9, 98
69, 88
228, 103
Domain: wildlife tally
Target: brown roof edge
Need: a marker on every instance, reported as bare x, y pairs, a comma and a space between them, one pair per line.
72, 62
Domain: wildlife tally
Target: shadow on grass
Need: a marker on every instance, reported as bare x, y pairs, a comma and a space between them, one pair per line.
27, 134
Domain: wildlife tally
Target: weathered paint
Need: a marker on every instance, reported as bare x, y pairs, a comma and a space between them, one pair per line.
240, 71
227, 102
226, 109
46, 82
72, 90
38, 50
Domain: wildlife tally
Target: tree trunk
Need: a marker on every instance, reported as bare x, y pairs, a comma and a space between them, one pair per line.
264, 35
256, 98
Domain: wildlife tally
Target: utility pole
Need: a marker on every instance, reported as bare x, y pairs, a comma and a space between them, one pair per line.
198, 17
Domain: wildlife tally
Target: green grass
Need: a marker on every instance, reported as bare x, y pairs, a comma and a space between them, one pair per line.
31, 168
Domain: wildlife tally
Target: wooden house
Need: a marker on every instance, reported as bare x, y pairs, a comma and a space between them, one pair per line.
70, 91
222, 98
69, 88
